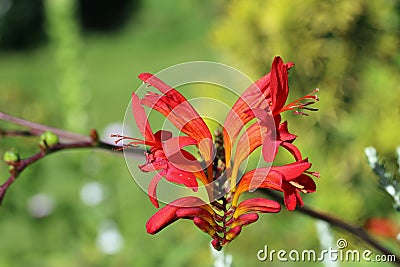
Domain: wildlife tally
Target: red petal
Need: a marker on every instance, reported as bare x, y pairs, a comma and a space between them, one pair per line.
268, 140
141, 119
284, 134
204, 226
258, 178
201, 212
167, 214
178, 176
252, 138
279, 84
152, 189
154, 165
292, 150
290, 198
256, 205
307, 182
162, 135
244, 219
233, 233
184, 116
293, 170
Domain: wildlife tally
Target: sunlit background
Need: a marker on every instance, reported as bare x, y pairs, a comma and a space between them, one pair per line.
73, 64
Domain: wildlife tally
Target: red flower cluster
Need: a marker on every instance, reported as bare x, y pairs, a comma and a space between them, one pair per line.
223, 215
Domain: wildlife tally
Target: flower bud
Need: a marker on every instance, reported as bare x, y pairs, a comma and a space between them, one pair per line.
11, 157
233, 233
48, 139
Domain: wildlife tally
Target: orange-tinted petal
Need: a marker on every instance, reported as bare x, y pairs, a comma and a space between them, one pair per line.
180, 112
257, 205
258, 178
243, 220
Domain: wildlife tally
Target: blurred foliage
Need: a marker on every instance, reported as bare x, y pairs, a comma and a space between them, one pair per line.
64, 32
102, 16
22, 22
350, 50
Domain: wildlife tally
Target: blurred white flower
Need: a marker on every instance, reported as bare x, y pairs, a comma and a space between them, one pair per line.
109, 239
40, 205
92, 193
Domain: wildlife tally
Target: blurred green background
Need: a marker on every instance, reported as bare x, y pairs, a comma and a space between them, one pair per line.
73, 64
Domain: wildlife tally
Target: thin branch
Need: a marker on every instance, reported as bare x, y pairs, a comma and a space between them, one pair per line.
336, 222
36, 129
74, 141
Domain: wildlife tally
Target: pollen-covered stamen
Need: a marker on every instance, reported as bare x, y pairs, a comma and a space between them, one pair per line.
298, 104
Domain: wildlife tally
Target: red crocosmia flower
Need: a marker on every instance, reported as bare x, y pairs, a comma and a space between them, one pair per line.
295, 179
254, 121
157, 159
178, 110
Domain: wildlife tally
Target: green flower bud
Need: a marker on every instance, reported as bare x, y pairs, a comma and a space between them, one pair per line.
11, 156
48, 139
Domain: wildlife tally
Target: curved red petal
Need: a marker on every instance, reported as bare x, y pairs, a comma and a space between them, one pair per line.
292, 150
243, 220
167, 214
141, 119
279, 84
290, 196
258, 178
293, 170
257, 205
152, 189
184, 116
284, 134
174, 145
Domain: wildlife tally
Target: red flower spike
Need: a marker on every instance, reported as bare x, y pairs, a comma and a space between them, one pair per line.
224, 218
258, 95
